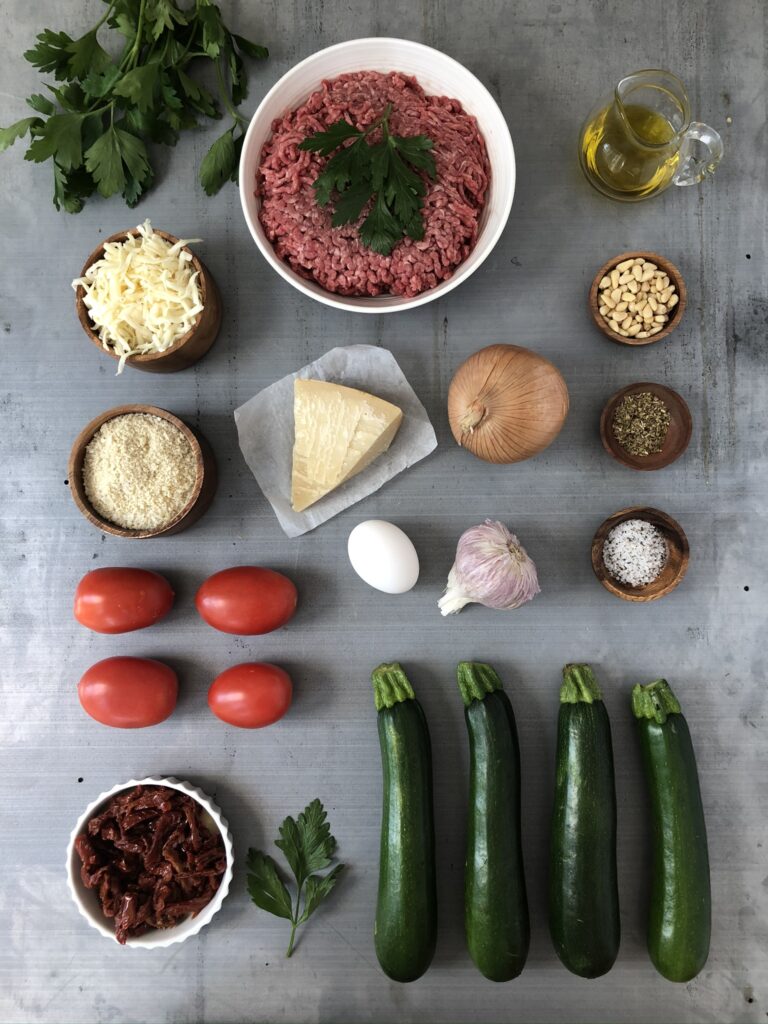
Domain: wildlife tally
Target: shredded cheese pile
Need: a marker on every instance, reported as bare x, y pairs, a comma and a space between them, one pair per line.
143, 294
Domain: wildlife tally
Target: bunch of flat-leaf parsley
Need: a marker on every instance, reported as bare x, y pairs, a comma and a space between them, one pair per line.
385, 173
96, 124
308, 847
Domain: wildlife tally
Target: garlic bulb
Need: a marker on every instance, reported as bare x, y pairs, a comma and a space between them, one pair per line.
491, 568
506, 403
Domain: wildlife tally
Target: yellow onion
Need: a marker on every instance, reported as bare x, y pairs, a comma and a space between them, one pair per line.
506, 403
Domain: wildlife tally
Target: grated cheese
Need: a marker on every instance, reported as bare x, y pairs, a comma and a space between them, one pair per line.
139, 471
143, 294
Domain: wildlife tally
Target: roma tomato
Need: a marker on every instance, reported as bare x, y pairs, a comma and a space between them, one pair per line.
129, 693
251, 695
246, 600
117, 600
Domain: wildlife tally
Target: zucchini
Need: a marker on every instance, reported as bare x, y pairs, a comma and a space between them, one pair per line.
583, 889
679, 921
495, 902
405, 931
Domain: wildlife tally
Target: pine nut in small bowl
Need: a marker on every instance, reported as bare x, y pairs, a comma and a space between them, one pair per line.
138, 471
640, 554
148, 301
127, 910
637, 298
646, 426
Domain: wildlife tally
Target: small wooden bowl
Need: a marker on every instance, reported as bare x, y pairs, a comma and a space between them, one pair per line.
200, 499
191, 346
678, 434
675, 278
670, 576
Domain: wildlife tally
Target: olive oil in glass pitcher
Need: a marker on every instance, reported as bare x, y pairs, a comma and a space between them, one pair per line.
641, 140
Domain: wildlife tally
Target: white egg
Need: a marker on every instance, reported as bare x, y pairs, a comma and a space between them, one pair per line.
383, 556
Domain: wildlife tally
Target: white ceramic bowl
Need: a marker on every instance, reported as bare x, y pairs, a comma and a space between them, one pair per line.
86, 900
439, 75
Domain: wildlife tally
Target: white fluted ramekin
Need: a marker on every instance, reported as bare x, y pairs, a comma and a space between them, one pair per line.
86, 900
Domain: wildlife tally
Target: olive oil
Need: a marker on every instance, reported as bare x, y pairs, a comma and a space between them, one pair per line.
627, 151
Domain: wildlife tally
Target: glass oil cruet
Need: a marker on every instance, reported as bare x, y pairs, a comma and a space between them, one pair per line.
641, 140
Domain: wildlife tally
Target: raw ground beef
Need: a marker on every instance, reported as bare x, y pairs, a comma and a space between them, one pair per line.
301, 231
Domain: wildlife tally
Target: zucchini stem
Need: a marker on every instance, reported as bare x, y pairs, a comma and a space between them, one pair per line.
390, 685
476, 680
655, 701
579, 685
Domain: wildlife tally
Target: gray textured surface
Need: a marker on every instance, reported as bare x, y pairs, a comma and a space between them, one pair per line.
546, 63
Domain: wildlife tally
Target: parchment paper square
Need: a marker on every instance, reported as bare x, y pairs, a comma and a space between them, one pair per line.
265, 432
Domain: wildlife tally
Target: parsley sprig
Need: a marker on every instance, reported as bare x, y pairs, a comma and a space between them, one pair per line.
385, 172
95, 126
308, 847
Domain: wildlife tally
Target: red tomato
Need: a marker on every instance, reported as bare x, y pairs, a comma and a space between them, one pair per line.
129, 693
116, 600
251, 695
246, 600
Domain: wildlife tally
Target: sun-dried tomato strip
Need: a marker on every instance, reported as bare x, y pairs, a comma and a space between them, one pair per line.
151, 859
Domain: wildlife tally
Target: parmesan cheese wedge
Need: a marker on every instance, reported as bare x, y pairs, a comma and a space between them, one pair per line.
338, 432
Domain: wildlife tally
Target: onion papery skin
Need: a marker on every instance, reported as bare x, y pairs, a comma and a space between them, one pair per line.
507, 403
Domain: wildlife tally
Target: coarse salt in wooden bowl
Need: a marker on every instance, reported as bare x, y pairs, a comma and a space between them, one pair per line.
187, 349
205, 475
678, 554
678, 434
675, 278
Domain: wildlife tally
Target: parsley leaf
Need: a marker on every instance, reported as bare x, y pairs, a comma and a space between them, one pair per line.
16, 131
308, 847
99, 83
380, 230
52, 53
416, 150
198, 96
214, 33
41, 104
61, 135
219, 163
71, 190
318, 887
140, 85
266, 888
351, 202
111, 156
162, 15
325, 142
250, 49
103, 111
391, 172
87, 55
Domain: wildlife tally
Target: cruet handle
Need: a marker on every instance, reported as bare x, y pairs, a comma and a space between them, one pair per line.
700, 153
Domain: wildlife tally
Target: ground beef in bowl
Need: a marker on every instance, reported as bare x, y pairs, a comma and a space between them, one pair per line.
335, 258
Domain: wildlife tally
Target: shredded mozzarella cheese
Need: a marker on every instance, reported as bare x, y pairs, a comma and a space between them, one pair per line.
143, 294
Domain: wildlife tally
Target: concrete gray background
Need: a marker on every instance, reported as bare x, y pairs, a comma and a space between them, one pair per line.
546, 63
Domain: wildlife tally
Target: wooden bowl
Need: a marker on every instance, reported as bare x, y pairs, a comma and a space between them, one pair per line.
677, 555
675, 278
678, 434
200, 499
191, 346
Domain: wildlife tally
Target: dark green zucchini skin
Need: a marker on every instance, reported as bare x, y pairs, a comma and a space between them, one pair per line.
583, 888
495, 902
405, 931
679, 921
